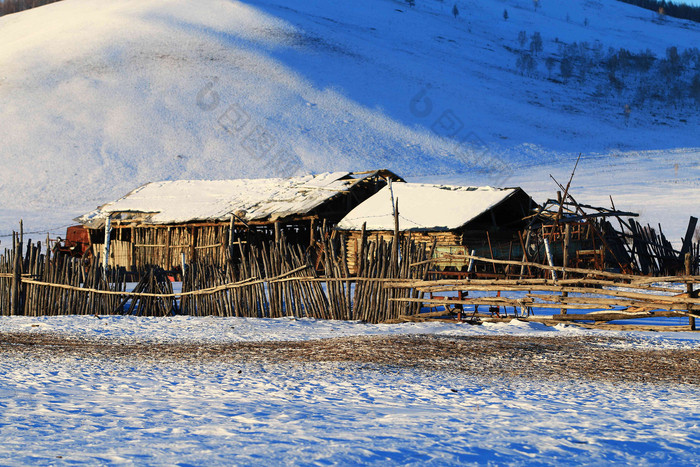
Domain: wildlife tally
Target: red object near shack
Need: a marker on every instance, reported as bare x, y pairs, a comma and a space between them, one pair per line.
76, 243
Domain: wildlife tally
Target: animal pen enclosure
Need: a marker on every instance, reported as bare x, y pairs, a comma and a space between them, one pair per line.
269, 248
278, 279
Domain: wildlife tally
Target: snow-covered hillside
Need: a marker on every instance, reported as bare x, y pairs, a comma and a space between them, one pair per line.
99, 97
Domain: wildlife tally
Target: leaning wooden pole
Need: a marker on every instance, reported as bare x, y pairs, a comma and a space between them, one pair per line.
566, 191
525, 246
550, 259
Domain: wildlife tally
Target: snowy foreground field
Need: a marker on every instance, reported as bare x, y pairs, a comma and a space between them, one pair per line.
88, 390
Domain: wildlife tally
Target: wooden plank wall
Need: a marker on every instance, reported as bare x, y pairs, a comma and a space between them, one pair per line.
353, 240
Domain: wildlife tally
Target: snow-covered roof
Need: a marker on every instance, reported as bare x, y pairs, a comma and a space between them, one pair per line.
180, 201
425, 207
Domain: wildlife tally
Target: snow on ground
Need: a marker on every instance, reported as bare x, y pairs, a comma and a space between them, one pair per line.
58, 410
97, 98
189, 329
65, 412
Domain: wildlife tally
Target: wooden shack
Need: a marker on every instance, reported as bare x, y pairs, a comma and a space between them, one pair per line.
166, 223
457, 219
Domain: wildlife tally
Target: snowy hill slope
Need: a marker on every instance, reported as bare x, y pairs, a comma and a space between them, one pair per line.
99, 97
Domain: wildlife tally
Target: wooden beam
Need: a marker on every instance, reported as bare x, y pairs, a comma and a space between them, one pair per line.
661, 300
614, 316
565, 262
15, 295
689, 288
590, 272
688, 239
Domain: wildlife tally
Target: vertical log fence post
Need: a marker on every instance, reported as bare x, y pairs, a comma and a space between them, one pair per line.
15, 295
689, 287
470, 267
525, 247
231, 231
550, 259
360, 259
312, 231
567, 238
168, 256
395, 244
105, 252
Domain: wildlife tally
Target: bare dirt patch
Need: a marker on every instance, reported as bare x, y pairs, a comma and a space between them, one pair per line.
558, 358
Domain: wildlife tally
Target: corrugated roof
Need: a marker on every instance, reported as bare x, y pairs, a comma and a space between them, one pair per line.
425, 207
180, 201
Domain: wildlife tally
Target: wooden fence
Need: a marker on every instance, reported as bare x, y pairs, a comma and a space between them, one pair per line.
274, 280
613, 296
279, 279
